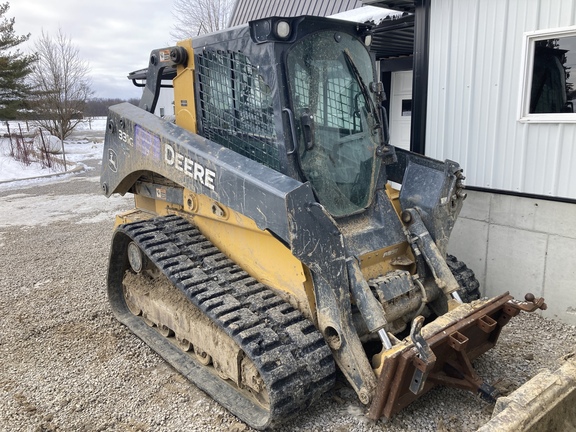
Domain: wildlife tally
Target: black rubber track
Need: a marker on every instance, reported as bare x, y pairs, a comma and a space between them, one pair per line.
469, 285
291, 355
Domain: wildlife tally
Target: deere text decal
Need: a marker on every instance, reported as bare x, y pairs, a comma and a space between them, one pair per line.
190, 167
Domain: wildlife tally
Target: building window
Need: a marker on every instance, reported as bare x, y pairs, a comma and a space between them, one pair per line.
406, 107
549, 81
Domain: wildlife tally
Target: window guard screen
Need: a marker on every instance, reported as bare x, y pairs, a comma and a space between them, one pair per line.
236, 106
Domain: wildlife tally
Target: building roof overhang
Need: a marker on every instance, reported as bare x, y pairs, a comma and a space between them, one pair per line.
399, 5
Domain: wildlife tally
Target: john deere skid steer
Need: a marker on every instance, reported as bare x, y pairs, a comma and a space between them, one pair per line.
277, 235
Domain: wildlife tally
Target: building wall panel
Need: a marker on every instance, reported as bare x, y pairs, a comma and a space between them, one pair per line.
520, 245
476, 67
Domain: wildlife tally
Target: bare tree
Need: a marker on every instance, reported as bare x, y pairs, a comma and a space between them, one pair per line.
194, 17
62, 86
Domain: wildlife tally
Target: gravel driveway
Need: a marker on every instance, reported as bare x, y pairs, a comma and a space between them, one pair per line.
68, 365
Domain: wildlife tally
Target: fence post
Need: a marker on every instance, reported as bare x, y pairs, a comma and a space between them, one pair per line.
45, 150
61, 130
10, 138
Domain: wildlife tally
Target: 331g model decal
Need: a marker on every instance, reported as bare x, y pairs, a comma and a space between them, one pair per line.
188, 166
124, 137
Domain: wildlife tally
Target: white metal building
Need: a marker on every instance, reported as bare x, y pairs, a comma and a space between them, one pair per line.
518, 227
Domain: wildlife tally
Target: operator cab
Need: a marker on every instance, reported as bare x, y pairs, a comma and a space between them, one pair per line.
298, 95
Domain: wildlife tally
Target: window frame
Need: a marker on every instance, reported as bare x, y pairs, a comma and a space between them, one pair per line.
524, 115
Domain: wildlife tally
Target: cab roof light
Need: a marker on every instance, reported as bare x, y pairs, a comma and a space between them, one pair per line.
282, 29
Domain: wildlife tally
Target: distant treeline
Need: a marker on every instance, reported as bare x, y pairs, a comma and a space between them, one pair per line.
99, 107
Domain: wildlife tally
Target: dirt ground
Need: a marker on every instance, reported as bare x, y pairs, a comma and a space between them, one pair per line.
68, 365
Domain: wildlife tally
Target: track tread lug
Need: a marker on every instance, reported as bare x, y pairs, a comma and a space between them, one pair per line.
291, 355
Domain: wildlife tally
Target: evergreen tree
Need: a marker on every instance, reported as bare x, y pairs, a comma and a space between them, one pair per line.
15, 66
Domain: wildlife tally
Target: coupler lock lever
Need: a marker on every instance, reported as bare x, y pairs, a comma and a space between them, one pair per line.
425, 360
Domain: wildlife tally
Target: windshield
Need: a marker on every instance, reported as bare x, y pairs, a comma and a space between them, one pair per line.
328, 74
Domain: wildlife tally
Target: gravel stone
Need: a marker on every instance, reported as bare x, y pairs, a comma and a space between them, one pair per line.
69, 365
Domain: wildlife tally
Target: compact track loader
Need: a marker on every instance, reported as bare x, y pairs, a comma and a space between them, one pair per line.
277, 235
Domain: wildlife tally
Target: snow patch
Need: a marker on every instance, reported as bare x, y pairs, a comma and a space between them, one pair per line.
367, 14
85, 208
85, 143
50, 142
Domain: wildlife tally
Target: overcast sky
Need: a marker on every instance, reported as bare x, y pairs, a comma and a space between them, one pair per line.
114, 36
